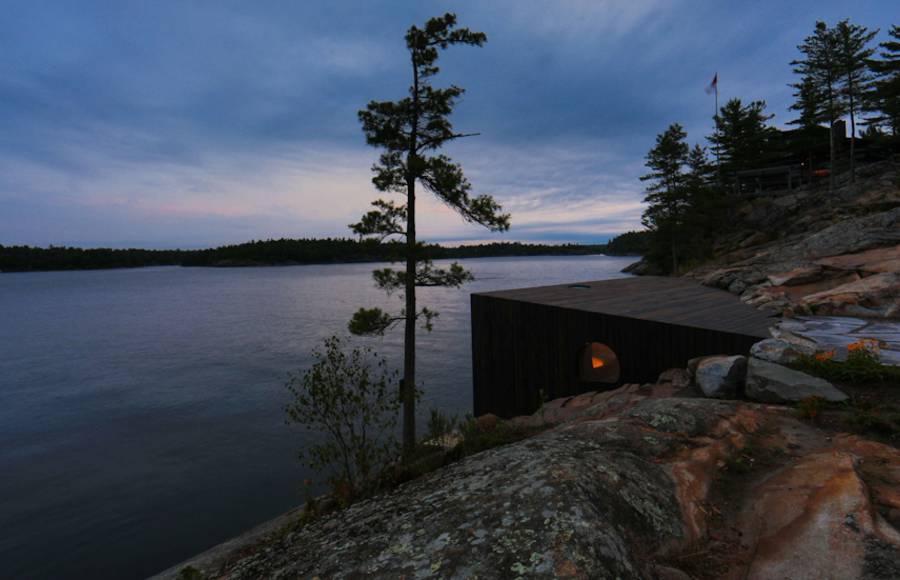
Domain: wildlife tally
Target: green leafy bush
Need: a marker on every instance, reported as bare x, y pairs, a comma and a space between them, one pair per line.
862, 366
440, 425
347, 397
879, 419
475, 438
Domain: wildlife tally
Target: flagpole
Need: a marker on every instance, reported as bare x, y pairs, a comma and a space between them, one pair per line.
716, 121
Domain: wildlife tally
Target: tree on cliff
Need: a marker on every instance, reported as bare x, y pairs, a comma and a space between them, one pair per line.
705, 203
743, 139
409, 131
854, 54
667, 195
807, 105
820, 70
884, 97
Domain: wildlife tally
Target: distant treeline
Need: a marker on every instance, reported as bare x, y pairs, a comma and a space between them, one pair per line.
287, 252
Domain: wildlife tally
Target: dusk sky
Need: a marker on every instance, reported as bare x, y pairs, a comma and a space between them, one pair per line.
192, 124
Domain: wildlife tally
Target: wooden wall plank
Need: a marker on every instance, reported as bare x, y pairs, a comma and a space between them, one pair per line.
527, 341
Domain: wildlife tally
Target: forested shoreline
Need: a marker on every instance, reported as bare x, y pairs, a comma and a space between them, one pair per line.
692, 190
285, 252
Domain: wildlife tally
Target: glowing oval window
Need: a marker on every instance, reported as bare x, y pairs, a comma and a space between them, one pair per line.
598, 364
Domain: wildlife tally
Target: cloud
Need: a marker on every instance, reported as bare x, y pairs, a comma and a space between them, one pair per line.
201, 123
575, 185
310, 189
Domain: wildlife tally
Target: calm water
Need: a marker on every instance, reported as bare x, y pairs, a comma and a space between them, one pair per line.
141, 410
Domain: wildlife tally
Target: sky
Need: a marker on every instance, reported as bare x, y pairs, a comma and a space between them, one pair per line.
198, 123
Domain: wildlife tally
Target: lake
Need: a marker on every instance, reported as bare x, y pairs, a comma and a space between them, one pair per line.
141, 411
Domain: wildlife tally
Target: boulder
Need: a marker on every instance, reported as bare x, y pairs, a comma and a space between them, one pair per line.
721, 377
692, 366
677, 378
772, 383
779, 351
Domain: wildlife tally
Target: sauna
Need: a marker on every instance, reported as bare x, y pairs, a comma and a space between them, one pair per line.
534, 344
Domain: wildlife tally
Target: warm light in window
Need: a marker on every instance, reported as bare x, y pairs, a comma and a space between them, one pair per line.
598, 364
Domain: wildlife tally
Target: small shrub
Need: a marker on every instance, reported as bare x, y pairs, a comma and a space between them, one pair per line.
753, 455
346, 397
811, 407
874, 418
475, 439
440, 425
862, 365
190, 573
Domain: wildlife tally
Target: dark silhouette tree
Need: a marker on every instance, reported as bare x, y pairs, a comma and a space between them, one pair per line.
743, 139
820, 68
883, 99
854, 54
409, 131
667, 197
808, 104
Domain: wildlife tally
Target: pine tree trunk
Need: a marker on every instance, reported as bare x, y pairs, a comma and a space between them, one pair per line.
831, 158
408, 386
831, 119
852, 136
674, 258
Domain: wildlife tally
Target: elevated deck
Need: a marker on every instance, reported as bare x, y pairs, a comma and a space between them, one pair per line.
526, 342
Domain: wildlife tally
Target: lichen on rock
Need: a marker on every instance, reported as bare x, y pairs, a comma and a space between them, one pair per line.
627, 484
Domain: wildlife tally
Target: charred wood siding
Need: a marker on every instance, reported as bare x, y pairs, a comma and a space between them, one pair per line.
524, 348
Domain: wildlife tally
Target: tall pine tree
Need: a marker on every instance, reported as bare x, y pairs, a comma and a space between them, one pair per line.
667, 197
853, 55
409, 131
743, 140
820, 69
883, 99
808, 104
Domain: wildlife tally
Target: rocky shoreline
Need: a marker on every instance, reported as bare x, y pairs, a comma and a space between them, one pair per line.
733, 467
700, 475
810, 251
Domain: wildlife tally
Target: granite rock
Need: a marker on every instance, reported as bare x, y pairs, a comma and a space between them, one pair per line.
772, 383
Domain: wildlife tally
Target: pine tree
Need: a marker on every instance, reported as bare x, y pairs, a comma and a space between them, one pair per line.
743, 139
667, 197
820, 67
853, 54
410, 130
704, 203
884, 97
808, 103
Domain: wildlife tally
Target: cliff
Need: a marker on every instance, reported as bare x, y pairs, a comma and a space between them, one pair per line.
810, 251
735, 468
649, 481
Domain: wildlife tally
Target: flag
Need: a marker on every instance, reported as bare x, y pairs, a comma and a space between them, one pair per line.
713, 86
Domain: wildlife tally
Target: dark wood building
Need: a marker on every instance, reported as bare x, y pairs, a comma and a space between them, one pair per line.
553, 341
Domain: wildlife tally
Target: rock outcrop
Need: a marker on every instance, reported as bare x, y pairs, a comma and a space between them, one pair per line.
780, 351
721, 377
834, 334
810, 251
632, 483
773, 383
